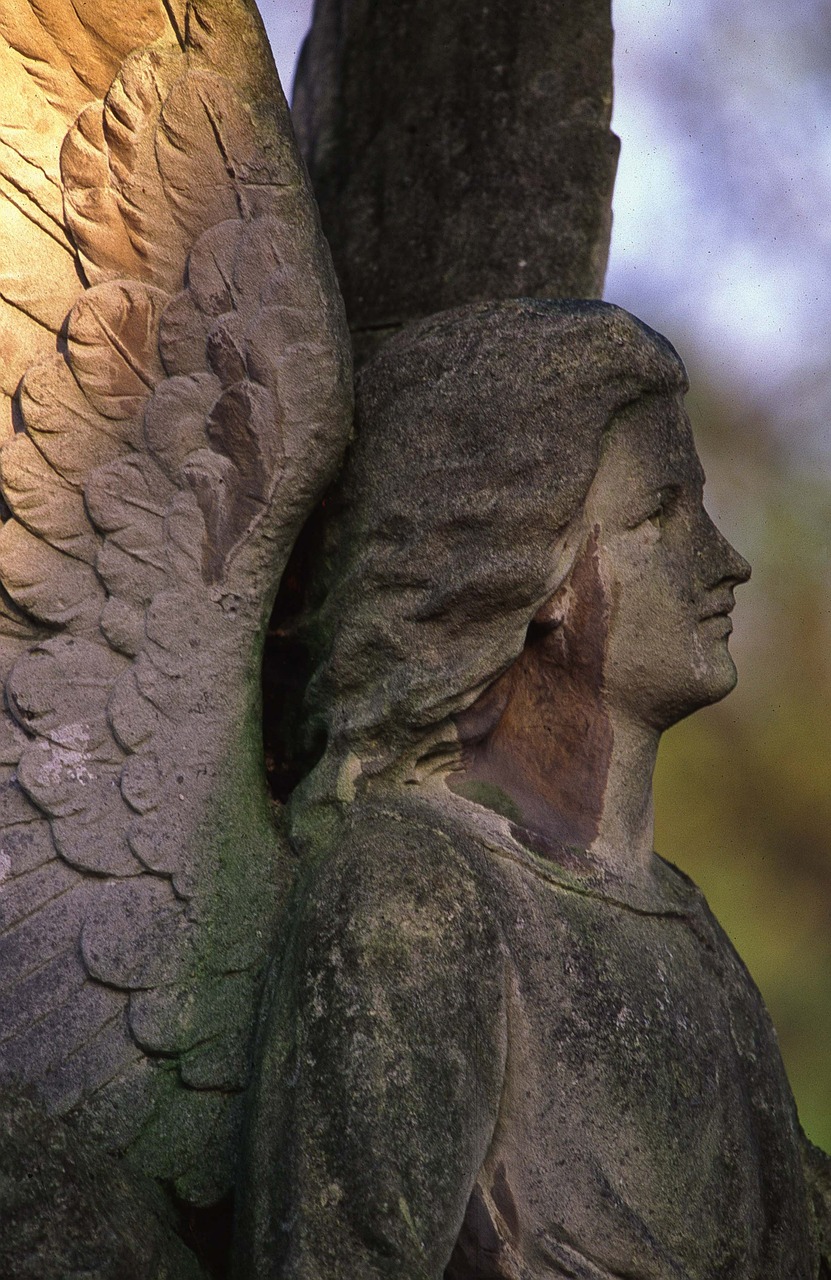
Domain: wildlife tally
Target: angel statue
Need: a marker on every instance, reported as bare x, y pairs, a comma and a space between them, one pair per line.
444, 1013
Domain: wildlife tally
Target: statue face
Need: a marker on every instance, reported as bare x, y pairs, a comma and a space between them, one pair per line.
667, 574
634, 639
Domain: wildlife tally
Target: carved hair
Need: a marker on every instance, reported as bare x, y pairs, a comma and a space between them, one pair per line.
479, 433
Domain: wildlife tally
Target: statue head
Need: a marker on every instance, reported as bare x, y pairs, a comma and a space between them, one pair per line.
461, 512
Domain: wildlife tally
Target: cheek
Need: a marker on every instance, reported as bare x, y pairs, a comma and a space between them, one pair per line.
658, 664
638, 579
681, 568
652, 618
654, 573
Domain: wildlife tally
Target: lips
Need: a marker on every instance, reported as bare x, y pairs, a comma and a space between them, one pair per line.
717, 613
721, 607
724, 621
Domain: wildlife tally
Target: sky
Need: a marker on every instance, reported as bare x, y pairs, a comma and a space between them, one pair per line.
722, 211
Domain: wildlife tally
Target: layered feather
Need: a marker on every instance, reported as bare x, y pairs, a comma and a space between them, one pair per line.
174, 439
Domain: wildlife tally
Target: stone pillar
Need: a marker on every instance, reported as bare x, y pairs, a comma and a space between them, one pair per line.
459, 149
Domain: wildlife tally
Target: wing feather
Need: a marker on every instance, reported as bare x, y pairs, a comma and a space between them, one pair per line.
46, 583
28, 892
72, 436
113, 344
62, 1031
25, 846
173, 443
56, 57
43, 501
103, 1056
46, 988
104, 246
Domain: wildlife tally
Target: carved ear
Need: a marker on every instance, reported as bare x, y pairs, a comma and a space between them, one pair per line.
553, 612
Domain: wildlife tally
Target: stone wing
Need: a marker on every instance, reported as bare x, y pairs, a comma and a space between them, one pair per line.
175, 367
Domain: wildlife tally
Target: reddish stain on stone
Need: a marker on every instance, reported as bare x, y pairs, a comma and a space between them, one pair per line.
541, 733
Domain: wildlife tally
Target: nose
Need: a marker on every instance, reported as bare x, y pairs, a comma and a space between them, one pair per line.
721, 560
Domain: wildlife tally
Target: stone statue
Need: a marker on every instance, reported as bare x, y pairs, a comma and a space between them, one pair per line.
508, 1040
176, 378
446, 1013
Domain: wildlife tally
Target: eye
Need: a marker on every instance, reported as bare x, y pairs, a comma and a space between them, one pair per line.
656, 517
661, 509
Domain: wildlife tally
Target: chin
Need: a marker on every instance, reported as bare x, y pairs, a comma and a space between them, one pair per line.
707, 686
724, 676
721, 687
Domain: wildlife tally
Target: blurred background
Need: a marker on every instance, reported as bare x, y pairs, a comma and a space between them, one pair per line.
722, 241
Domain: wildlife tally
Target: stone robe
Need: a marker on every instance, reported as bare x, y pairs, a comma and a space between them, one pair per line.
482, 1063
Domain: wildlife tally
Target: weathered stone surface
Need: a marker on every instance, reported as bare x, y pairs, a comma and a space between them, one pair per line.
503, 1038
169, 447
483, 1065
459, 152
69, 1211
507, 1039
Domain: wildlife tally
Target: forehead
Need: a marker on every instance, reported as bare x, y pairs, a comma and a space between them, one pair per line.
651, 441
648, 451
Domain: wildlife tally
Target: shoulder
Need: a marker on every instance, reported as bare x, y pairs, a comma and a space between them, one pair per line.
398, 883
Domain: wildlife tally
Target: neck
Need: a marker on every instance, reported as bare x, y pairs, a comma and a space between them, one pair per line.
626, 825
562, 764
